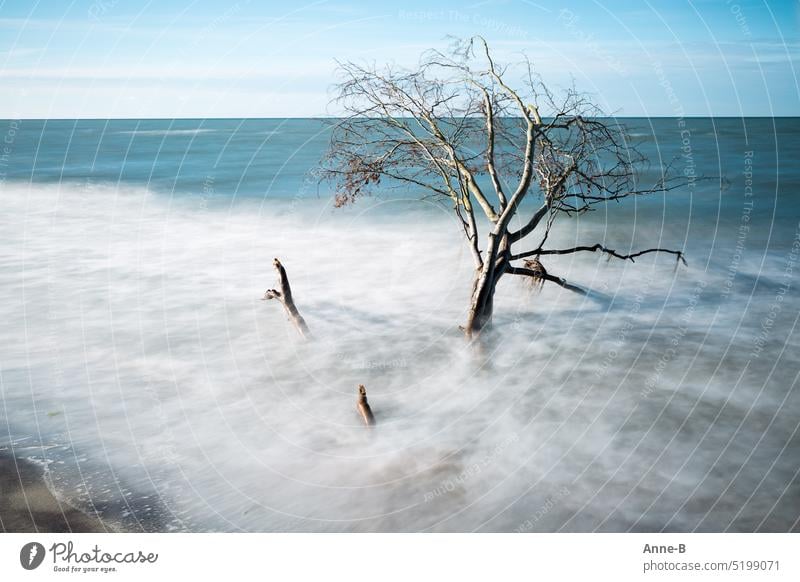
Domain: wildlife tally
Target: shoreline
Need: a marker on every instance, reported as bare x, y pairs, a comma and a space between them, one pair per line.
27, 505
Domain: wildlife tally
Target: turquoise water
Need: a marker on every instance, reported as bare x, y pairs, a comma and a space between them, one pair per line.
274, 158
140, 367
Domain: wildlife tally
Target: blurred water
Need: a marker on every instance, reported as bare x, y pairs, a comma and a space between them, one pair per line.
139, 364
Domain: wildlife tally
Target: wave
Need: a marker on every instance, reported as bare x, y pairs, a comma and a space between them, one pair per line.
168, 132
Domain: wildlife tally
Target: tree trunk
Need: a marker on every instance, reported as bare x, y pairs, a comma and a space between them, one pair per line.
481, 304
484, 285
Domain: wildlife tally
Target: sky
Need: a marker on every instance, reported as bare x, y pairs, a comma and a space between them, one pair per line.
183, 58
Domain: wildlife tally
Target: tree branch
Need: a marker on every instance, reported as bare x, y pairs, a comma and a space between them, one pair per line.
530, 226
284, 295
532, 119
546, 277
470, 230
490, 164
598, 247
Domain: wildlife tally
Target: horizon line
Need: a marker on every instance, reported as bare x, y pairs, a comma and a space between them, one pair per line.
689, 116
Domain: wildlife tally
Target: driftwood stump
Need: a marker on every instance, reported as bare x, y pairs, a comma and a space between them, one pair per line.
284, 295
363, 406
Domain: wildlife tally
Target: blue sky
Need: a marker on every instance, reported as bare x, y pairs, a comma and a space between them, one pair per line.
175, 58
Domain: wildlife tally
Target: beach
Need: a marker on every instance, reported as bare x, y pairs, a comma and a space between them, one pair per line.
28, 506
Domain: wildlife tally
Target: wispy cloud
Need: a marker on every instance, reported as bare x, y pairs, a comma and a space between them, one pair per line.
159, 55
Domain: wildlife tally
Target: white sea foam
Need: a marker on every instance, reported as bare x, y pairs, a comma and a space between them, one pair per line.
135, 342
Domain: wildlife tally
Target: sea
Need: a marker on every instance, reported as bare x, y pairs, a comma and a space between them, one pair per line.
141, 370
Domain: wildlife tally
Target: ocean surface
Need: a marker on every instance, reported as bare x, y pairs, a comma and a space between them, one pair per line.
140, 368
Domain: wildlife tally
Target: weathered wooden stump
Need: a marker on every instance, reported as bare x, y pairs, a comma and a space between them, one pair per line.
363, 406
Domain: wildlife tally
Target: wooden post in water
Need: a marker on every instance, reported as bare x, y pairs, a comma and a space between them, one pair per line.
363, 406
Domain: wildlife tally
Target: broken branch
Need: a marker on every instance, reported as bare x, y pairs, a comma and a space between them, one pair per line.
284, 295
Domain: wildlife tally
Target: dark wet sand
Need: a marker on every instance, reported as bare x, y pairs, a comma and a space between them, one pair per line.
27, 505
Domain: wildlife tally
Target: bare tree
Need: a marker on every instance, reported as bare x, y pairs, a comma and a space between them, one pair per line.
455, 129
